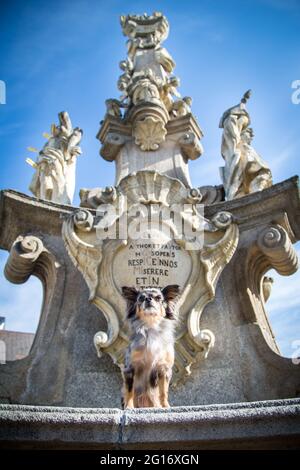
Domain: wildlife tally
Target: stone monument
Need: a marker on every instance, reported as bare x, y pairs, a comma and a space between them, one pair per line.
54, 177
152, 228
244, 172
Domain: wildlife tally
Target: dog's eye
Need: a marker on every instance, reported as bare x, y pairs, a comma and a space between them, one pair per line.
158, 298
142, 298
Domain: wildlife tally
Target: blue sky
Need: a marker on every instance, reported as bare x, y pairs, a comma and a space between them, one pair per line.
65, 56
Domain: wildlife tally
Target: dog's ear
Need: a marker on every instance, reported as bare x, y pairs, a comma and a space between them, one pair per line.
171, 294
130, 294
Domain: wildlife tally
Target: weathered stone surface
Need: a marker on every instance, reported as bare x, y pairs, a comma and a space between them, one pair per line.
146, 262
50, 427
170, 158
157, 130
254, 425
83, 258
184, 248
63, 368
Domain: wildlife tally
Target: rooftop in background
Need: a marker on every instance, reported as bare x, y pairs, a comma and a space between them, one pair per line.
14, 345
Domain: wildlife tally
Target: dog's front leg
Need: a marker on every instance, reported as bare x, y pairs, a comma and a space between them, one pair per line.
128, 388
129, 400
163, 385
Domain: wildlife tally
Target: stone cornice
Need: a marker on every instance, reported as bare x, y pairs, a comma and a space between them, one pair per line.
253, 425
282, 199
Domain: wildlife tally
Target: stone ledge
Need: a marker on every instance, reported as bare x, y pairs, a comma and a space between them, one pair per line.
254, 425
253, 209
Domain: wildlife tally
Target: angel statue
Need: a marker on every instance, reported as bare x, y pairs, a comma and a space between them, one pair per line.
169, 90
244, 172
54, 177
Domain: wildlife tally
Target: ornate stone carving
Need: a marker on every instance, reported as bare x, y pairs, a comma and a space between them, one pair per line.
148, 79
92, 198
23, 256
194, 262
145, 90
149, 133
112, 145
244, 172
153, 107
28, 256
146, 30
181, 107
149, 228
277, 248
271, 248
190, 146
113, 107
168, 91
85, 256
212, 194
54, 177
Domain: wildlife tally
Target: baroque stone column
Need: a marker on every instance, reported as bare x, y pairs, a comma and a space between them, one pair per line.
150, 127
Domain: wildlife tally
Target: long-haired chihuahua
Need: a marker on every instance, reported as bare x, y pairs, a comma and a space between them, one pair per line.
150, 355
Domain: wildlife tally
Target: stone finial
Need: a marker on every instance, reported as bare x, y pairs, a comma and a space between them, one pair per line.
145, 31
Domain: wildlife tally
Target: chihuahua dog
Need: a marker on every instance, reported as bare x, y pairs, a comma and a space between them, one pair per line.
150, 355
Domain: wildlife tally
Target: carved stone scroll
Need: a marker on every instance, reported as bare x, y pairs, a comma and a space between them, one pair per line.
23, 258
152, 259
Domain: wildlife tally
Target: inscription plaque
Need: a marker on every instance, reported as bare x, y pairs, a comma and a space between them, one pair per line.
147, 263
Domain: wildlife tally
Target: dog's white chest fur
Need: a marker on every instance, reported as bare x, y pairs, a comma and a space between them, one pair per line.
155, 341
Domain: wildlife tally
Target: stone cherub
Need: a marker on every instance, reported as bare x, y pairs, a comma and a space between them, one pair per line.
145, 87
245, 172
168, 90
54, 177
125, 79
93, 198
181, 107
114, 106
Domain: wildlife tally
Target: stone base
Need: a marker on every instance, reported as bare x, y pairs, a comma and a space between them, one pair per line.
62, 368
254, 425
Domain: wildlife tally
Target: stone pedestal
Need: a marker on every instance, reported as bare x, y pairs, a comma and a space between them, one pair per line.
244, 365
181, 144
